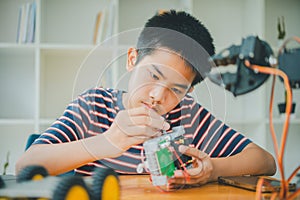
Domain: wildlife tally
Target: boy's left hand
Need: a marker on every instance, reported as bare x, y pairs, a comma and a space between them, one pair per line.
199, 174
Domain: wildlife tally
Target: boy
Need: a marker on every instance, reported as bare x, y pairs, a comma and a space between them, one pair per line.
106, 127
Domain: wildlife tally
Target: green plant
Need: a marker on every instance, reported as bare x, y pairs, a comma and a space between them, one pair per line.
6, 164
281, 28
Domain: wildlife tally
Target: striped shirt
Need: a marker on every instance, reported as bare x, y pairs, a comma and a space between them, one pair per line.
93, 113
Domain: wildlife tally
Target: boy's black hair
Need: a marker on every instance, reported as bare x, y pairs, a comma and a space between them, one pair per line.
182, 33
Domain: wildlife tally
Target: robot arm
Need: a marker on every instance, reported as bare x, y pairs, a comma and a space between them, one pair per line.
244, 79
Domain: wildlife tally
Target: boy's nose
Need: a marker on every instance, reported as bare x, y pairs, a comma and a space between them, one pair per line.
158, 93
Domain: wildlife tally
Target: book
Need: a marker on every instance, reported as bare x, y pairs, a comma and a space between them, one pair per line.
104, 24
97, 25
100, 26
19, 24
26, 23
30, 34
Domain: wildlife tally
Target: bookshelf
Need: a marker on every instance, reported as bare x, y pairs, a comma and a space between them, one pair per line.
39, 79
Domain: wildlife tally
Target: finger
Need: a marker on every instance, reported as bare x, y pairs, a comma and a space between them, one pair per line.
140, 139
197, 170
193, 172
142, 110
145, 131
177, 181
159, 121
190, 151
156, 123
165, 125
148, 117
183, 181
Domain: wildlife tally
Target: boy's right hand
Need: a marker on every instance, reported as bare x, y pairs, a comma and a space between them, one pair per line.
134, 126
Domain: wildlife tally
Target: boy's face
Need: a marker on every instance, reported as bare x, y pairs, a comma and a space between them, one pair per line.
159, 81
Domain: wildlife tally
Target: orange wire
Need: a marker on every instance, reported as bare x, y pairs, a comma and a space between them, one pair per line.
297, 39
271, 119
274, 71
259, 185
293, 174
294, 195
273, 134
273, 196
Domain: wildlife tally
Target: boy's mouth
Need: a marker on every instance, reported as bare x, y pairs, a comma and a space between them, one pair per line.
150, 106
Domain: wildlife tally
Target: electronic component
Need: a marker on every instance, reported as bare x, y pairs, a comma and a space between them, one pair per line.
163, 157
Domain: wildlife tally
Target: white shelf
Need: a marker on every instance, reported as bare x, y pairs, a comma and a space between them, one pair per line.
46, 121
15, 45
293, 121
16, 122
51, 46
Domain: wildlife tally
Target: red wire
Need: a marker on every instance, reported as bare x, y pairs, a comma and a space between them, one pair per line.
183, 166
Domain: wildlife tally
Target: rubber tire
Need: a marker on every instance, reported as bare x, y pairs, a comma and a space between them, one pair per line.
99, 177
65, 185
30, 172
2, 184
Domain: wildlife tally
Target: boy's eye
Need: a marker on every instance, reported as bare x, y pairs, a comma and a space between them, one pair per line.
177, 91
154, 76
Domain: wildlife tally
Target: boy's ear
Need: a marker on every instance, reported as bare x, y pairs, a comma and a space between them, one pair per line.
131, 58
191, 89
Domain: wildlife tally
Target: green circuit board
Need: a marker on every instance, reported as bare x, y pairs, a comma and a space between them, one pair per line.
165, 161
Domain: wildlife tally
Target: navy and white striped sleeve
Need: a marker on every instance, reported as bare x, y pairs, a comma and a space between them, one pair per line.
212, 135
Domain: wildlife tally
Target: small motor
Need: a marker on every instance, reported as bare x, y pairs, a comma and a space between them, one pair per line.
163, 157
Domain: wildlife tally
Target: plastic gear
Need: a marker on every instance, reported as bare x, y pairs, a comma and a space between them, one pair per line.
71, 188
33, 172
105, 184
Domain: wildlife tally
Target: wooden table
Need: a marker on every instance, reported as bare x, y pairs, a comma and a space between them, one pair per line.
139, 187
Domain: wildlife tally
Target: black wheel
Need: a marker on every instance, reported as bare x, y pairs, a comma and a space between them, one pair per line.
71, 188
105, 184
2, 184
34, 172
